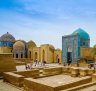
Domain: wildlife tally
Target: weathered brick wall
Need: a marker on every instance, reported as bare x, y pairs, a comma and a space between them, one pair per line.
6, 63
32, 73
52, 71
14, 79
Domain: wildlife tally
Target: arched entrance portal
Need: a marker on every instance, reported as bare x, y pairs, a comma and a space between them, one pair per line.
29, 54
57, 59
69, 54
16, 55
43, 55
21, 55
35, 55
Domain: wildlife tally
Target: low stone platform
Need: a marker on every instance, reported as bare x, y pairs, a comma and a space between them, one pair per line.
54, 83
74, 71
13, 78
94, 77
17, 77
28, 73
90, 88
53, 78
52, 71
66, 70
81, 87
83, 72
91, 71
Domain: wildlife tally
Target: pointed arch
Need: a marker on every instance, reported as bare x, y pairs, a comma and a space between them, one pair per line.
36, 55
29, 54
43, 55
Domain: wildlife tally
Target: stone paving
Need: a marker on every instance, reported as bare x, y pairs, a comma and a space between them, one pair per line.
22, 67
8, 87
90, 88
58, 80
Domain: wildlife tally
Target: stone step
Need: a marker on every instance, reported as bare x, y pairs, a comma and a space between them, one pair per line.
80, 87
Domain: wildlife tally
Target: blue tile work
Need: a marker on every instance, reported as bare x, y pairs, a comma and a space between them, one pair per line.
6, 44
74, 41
83, 34
7, 40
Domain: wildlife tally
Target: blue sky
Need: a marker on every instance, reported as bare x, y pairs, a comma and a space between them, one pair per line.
46, 21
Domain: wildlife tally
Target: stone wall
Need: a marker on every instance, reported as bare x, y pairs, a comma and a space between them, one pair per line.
14, 79
5, 49
6, 63
52, 71
33, 73
87, 53
82, 63
23, 61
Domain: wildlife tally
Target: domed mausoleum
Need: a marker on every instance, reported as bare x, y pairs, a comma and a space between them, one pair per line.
7, 37
28, 51
6, 43
19, 49
71, 45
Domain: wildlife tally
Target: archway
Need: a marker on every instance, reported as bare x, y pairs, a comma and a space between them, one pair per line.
69, 54
29, 54
21, 55
16, 55
43, 55
35, 55
57, 59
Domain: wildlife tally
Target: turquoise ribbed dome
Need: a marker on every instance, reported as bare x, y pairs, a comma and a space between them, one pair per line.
82, 33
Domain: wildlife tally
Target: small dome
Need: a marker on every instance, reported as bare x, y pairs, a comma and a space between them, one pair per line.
31, 44
82, 33
7, 38
21, 41
19, 45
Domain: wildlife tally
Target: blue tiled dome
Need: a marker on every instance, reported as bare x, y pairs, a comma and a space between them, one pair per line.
82, 33
7, 38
